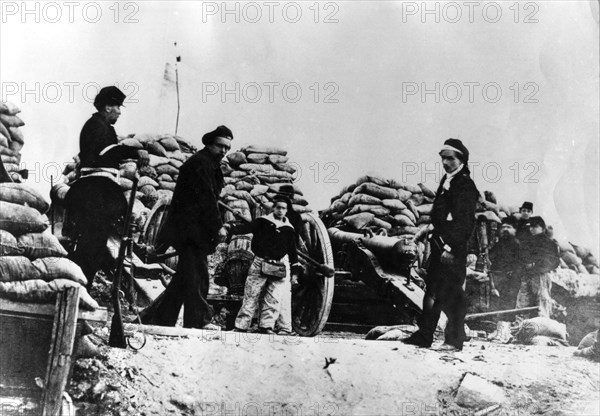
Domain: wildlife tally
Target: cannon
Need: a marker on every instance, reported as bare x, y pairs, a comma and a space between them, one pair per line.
311, 297
383, 263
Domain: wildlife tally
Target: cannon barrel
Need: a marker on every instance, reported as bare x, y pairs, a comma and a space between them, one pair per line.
392, 252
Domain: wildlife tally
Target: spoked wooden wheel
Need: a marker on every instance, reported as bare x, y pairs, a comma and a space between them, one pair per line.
312, 297
156, 219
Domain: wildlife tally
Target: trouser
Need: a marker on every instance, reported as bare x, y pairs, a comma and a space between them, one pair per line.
445, 293
284, 320
90, 250
261, 289
535, 291
188, 287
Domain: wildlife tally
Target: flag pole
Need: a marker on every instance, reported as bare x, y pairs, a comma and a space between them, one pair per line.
177, 60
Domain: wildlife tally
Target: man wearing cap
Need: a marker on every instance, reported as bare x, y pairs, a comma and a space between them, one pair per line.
99, 149
539, 256
98, 143
504, 259
525, 212
453, 220
194, 227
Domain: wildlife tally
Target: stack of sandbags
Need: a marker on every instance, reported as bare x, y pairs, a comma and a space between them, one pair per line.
156, 181
577, 258
33, 264
376, 203
11, 139
253, 176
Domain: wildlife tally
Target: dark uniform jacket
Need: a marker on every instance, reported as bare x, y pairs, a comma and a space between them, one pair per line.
271, 239
453, 213
194, 214
540, 253
505, 255
96, 135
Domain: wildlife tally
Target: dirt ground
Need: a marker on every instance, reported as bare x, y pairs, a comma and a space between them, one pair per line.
227, 373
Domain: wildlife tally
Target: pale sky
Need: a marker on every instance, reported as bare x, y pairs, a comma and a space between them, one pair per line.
348, 88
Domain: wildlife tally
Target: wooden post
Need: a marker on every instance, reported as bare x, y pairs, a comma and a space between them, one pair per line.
61, 349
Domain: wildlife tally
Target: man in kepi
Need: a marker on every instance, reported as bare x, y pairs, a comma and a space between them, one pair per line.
453, 220
95, 201
194, 227
525, 212
539, 256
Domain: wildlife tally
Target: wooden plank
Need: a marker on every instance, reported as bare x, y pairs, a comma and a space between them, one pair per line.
61, 350
10, 308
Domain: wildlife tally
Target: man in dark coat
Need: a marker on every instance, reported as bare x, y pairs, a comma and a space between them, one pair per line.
453, 219
194, 227
539, 256
525, 212
90, 202
504, 270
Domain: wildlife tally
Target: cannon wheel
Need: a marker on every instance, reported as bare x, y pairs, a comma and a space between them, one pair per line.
149, 236
312, 297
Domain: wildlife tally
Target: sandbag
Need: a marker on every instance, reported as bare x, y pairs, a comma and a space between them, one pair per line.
395, 231
285, 167
244, 195
241, 207
177, 163
38, 245
403, 195
264, 149
164, 194
158, 160
15, 146
407, 212
44, 292
6, 107
23, 195
16, 136
300, 209
10, 159
411, 188
426, 191
571, 258
177, 155
19, 219
375, 190
265, 169
488, 216
11, 120
155, 148
259, 190
582, 252
168, 169
378, 180
9, 245
275, 179
132, 143
379, 223
237, 158
244, 186
4, 131
275, 159
338, 206
166, 185
52, 268
169, 143
15, 268
540, 325
564, 246
424, 209
394, 205
363, 199
128, 170
417, 198
374, 209
403, 221
490, 206
145, 181
346, 197
125, 183
591, 260
149, 195
147, 137
238, 174
424, 219
358, 221
257, 158
489, 196
165, 178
